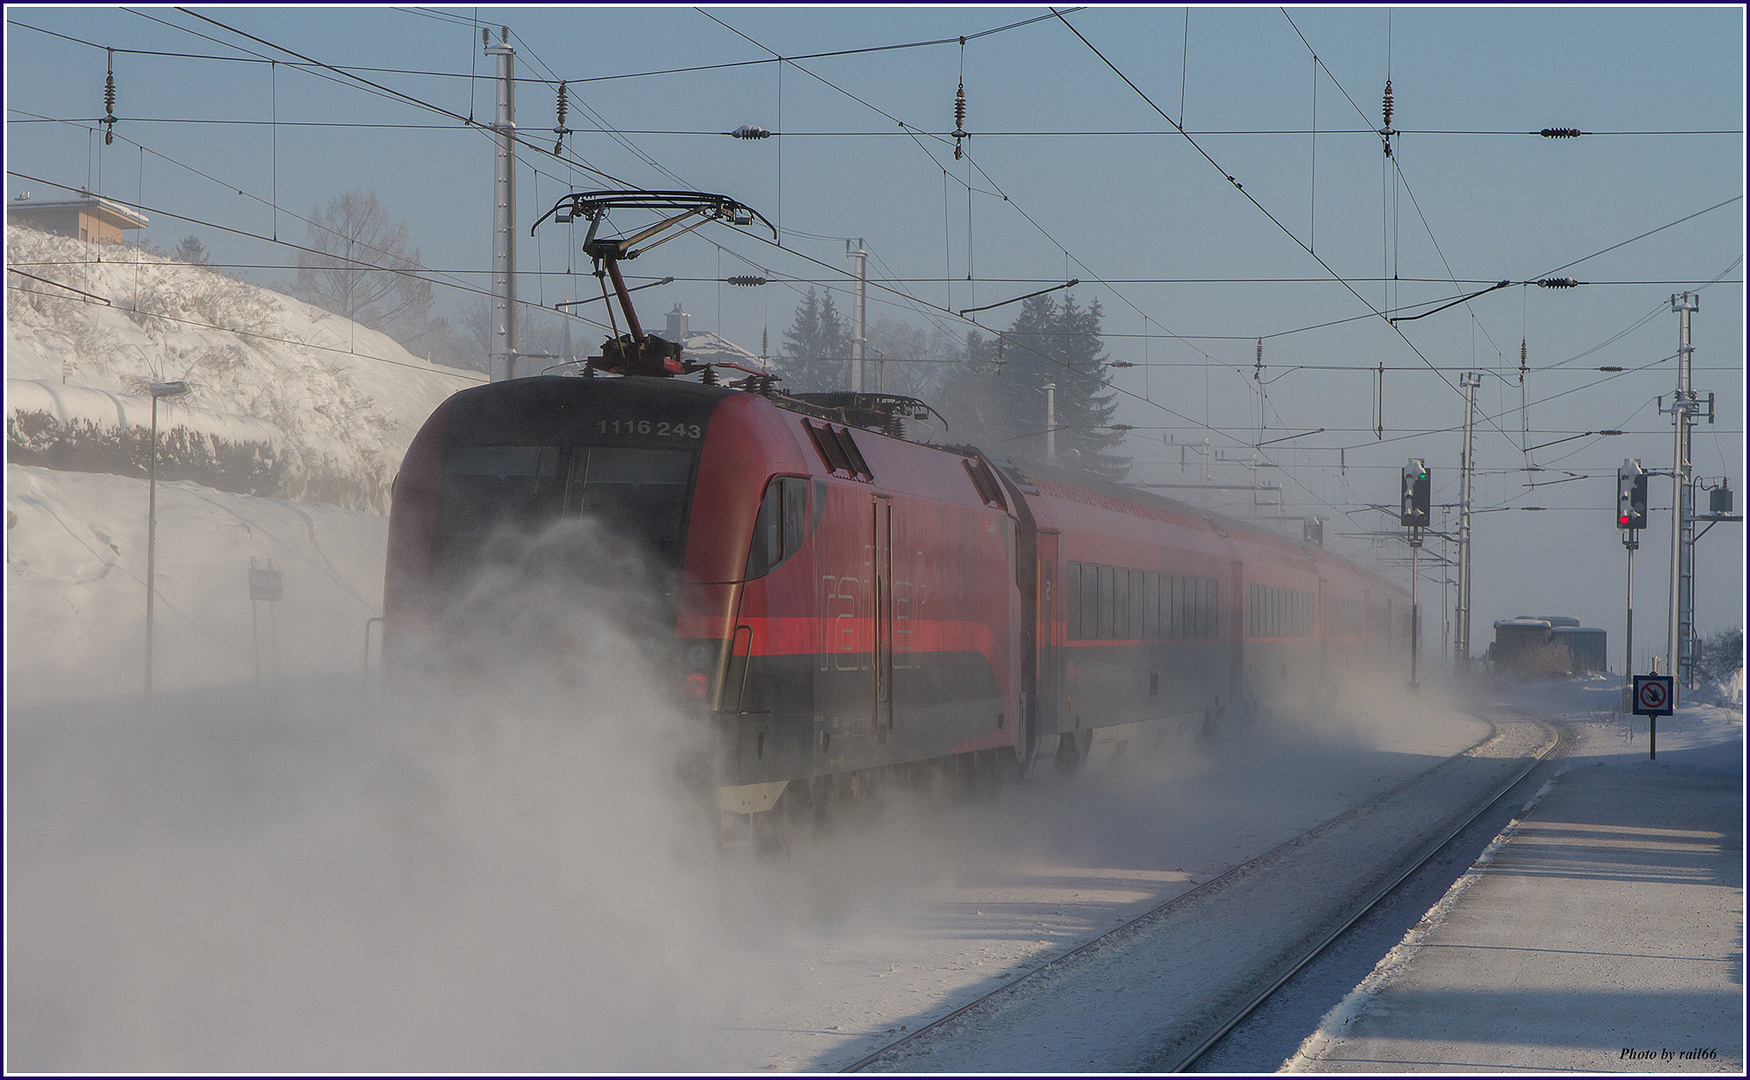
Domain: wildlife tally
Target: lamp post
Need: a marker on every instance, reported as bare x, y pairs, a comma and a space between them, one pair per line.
1051, 423
158, 390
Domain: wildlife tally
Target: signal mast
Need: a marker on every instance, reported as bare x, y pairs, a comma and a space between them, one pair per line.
1413, 507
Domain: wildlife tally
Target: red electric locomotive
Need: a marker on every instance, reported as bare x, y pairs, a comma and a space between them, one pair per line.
842, 600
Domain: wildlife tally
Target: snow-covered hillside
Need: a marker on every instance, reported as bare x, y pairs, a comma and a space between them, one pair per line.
346, 399
76, 586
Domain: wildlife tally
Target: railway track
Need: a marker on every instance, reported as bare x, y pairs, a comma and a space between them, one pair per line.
1155, 1005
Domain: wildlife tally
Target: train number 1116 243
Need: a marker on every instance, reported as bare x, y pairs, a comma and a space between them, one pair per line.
649, 427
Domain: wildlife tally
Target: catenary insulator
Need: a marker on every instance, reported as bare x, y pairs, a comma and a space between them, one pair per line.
1388, 104
745, 279
1557, 282
561, 131
959, 119
748, 131
1561, 133
109, 108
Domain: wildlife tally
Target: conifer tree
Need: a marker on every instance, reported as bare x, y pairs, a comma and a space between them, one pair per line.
817, 347
998, 395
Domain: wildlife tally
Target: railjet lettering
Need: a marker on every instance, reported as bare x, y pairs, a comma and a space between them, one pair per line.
1706, 1054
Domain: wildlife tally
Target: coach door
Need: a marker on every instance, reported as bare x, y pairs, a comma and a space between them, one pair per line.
1041, 711
881, 583
1237, 612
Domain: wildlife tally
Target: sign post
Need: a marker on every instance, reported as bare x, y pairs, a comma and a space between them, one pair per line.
1654, 696
265, 586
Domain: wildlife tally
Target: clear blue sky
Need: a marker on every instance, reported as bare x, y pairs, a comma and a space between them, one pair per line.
1099, 186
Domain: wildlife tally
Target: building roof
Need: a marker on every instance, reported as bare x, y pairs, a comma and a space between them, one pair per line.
704, 347
125, 217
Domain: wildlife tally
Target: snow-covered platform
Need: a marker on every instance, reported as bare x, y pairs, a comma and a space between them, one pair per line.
1601, 932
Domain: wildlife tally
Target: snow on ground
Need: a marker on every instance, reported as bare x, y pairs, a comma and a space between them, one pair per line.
347, 399
1596, 700
76, 593
1603, 924
297, 878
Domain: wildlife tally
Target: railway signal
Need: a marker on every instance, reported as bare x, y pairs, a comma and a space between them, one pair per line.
1631, 517
1413, 506
1631, 495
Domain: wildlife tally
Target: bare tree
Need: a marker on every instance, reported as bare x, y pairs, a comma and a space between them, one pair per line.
361, 268
908, 360
469, 343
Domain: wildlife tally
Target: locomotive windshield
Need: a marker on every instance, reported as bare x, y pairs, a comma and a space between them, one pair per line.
639, 493
645, 491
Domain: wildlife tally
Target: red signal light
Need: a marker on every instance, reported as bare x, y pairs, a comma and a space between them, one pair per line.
696, 685
1622, 522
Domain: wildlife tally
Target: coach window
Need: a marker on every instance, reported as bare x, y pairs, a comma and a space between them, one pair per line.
1108, 604
1120, 604
1072, 600
1136, 609
780, 526
1089, 601
1150, 600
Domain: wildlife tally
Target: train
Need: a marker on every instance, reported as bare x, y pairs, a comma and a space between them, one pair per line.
840, 599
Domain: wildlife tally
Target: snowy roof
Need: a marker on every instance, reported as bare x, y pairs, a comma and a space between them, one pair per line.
704, 347
126, 216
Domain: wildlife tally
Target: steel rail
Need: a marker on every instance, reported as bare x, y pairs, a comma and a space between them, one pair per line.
1415, 864
1212, 885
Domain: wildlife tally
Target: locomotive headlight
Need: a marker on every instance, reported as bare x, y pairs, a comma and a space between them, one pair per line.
697, 684
699, 658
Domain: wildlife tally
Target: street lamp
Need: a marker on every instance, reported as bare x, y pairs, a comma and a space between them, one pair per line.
157, 390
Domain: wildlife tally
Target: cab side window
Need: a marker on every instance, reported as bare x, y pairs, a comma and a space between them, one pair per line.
780, 527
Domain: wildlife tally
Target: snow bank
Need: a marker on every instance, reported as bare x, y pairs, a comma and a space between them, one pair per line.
1726, 693
346, 400
69, 405
76, 586
86, 430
